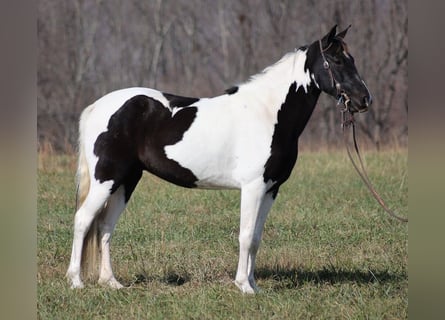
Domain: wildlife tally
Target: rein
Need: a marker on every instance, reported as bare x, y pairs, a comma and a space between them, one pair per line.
348, 121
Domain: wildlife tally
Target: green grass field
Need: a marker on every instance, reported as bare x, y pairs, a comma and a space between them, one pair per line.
328, 251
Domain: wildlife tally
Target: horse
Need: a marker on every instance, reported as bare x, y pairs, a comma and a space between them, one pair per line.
246, 139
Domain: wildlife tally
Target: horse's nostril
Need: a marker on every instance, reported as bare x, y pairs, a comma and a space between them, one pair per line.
367, 101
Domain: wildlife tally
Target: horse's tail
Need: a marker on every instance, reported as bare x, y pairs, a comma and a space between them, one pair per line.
90, 251
82, 175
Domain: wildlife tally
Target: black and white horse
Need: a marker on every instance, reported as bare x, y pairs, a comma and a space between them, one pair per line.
245, 139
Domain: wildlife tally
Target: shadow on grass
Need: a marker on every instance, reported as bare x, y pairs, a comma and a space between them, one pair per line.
295, 277
172, 279
292, 278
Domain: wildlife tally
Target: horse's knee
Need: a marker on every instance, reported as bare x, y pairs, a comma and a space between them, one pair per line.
249, 240
82, 221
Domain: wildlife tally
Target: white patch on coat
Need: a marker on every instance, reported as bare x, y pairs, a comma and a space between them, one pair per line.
315, 81
226, 145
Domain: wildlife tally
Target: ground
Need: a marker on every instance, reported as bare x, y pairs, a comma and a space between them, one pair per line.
328, 250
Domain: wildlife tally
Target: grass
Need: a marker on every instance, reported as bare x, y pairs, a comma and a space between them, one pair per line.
328, 250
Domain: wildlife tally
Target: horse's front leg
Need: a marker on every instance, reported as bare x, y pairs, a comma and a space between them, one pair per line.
255, 205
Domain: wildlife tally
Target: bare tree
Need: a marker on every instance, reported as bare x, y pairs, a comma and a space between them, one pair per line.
389, 75
201, 47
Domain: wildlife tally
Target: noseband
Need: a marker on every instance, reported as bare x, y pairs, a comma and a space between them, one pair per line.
343, 99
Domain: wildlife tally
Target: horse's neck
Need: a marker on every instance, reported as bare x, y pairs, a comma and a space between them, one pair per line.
287, 90
296, 110
273, 83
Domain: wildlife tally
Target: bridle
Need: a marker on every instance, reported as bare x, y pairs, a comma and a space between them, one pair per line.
342, 97
347, 114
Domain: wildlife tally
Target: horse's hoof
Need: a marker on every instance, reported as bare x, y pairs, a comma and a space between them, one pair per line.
76, 284
111, 283
246, 287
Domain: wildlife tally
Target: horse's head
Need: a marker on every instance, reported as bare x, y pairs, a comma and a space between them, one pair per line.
335, 72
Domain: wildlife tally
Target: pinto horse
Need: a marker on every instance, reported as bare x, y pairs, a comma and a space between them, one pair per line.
245, 139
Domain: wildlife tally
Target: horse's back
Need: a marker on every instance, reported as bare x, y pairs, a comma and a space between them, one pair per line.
112, 101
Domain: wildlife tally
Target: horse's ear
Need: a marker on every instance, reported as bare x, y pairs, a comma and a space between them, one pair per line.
343, 33
327, 39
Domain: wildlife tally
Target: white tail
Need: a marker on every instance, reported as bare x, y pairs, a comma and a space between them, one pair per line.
90, 252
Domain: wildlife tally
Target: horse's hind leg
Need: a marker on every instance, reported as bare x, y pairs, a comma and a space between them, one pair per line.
97, 196
115, 206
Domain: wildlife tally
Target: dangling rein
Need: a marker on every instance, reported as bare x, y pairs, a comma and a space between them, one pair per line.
348, 122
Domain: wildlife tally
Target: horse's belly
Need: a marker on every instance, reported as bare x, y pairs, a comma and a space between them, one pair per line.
214, 168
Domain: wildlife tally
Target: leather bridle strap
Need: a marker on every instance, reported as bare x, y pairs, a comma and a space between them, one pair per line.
335, 84
349, 122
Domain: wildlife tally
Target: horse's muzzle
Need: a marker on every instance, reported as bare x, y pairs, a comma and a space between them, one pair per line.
361, 106
367, 101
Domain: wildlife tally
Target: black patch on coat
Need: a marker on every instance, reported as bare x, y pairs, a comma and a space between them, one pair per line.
179, 101
292, 119
135, 140
312, 55
232, 90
